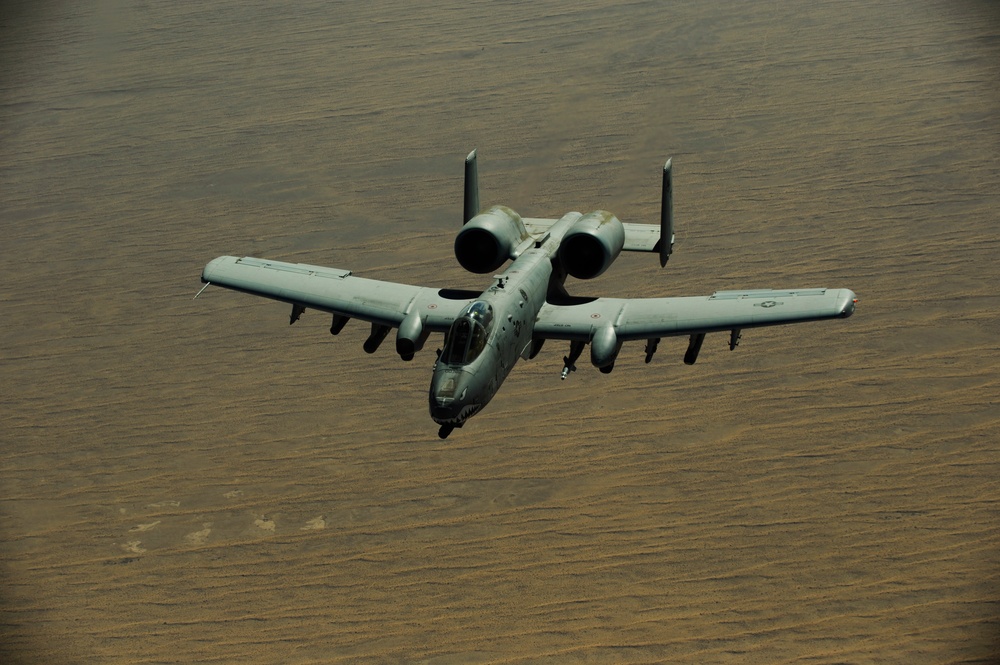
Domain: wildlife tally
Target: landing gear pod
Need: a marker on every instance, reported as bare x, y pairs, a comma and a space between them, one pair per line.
411, 336
604, 349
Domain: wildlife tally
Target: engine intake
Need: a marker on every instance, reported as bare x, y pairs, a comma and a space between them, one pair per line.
487, 241
592, 245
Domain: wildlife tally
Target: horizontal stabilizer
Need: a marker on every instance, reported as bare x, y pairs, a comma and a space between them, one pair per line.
638, 237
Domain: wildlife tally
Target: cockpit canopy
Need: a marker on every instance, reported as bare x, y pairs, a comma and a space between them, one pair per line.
468, 334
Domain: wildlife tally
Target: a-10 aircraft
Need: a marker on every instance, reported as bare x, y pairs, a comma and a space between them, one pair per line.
526, 304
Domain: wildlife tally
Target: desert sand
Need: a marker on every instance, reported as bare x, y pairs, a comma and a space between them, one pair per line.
195, 481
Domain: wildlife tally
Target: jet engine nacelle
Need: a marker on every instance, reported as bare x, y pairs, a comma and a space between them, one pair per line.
487, 241
592, 245
604, 348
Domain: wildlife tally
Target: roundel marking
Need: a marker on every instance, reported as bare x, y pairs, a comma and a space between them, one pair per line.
595, 315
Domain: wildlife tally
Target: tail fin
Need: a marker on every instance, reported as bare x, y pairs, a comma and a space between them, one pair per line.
471, 188
666, 214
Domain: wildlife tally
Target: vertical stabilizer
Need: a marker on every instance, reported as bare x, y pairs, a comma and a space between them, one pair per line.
471, 188
666, 214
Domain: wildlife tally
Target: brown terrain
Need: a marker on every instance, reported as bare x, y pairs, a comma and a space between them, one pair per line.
195, 481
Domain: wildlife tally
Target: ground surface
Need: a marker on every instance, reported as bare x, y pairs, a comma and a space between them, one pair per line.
194, 481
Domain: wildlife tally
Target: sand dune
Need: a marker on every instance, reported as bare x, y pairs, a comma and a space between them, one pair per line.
195, 481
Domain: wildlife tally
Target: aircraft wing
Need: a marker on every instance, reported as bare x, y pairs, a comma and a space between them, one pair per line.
649, 318
338, 291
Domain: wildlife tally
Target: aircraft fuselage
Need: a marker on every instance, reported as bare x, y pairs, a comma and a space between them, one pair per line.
459, 390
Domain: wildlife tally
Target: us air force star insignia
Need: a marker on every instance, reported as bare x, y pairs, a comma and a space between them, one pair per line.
770, 303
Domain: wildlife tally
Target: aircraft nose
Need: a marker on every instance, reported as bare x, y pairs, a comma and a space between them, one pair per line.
449, 388
447, 395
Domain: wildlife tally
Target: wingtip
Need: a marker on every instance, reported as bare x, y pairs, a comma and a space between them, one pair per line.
848, 302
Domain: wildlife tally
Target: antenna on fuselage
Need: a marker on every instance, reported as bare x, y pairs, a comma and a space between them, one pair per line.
471, 188
666, 215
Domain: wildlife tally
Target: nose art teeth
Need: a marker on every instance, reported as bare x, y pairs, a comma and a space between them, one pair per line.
469, 411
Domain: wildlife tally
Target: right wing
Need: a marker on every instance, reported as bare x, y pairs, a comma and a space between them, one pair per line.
650, 318
338, 292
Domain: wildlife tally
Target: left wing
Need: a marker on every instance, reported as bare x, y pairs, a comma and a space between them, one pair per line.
338, 292
650, 318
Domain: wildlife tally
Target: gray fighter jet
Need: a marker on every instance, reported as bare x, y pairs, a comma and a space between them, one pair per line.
526, 304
